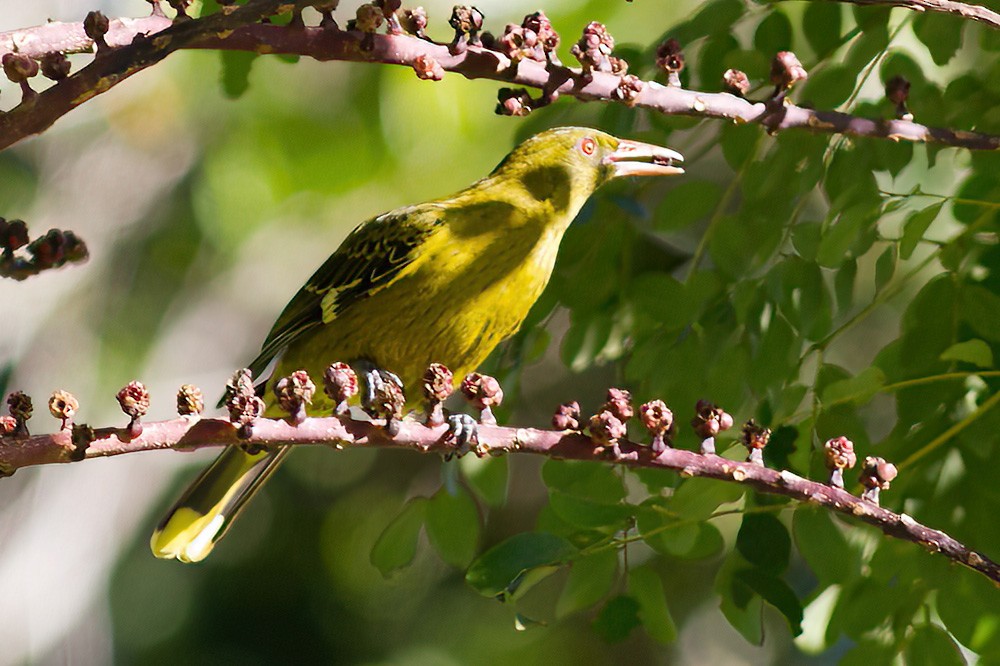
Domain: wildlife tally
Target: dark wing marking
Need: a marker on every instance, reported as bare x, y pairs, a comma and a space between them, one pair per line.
370, 258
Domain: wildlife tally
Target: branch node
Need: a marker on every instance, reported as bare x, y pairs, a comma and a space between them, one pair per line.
755, 438
876, 475
63, 405
81, 437
244, 406
467, 22
134, 401
670, 58
438, 384
20, 407
483, 392
96, 27
839, 456
294, 392
340, 383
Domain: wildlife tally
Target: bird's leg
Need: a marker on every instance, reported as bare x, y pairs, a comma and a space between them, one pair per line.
375, 379
465, 431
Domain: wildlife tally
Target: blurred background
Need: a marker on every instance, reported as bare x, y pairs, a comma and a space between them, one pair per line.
205, 206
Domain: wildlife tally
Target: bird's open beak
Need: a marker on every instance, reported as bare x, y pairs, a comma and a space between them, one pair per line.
633, 158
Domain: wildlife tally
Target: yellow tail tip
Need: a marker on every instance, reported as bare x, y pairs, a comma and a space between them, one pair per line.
186, 535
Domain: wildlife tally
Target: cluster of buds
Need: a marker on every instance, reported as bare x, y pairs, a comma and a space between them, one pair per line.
389, 9
190, 401
414, 21
20, 407
294, 392
567, 416
467, 22
428, 68
483, 392
326, 9
368, 19
608, 426
534, 39
755, 438
670, 58
594, 51
736, 82
180, 6
52, 250
709, 421
134, 401
19, 67
96, 26
243, 404
340, 384
839, 455
786, 71
897, 89
876, 475
438, 384
55, 66
63, 405
659, 421
513, 102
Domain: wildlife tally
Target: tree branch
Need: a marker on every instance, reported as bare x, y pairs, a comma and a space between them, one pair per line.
972, 12
190, 433
238, 31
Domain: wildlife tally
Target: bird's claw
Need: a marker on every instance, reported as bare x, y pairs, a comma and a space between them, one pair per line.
465, 431
374, 379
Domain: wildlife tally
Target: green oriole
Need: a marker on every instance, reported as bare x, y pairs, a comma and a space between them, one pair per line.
443, 282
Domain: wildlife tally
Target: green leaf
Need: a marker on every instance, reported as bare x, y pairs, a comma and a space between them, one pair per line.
973, 351
858, 389
842, 234
687, 203
931, 645
697, 499
805, 238
590, 579
645, 586
776, 592
885, 267
764, 541
739, 142
739, 604
830, 87
941, 35
843, 284
666, 534
585, 479
453, 526
823, 546
236, 66
822, 26
587, 513
915, 227
487, 477
617, 619
980, 308
397, 545
505, 570
774, 33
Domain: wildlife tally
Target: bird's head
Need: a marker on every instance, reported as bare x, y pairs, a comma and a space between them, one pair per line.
588, 158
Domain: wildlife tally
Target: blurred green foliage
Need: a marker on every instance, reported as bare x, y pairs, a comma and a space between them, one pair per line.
823, 285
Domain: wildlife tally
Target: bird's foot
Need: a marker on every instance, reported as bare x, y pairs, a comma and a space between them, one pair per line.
375, 381
464, 430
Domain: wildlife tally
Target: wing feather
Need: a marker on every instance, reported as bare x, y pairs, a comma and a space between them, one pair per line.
370, 259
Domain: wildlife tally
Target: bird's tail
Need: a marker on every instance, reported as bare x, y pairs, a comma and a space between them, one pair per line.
204, 512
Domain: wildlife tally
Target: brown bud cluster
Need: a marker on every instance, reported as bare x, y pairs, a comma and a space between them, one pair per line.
63, 405
876, 475
325, 9
96, 26
340, 383
513, 102
755, 438
438, 383
736, 82
414, 21
786, 71
593, 50
20, 407
294, 392
190, 401
56, 248
467, 22
243, 403
427, 68
483, 392
567, 416
55, 66
897, 89
368, 20
710, 420
619, 403
8, 426
49, 251
134, 401
659, 421
19, 68
606, 428
670, 58
81, 437
13, 235
534, 39
839, 454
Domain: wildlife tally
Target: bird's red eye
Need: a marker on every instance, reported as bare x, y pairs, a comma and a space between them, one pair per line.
588, 146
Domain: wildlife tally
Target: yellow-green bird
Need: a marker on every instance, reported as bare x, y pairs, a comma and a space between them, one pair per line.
439, 282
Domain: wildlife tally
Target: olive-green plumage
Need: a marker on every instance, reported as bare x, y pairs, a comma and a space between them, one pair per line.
443, 281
